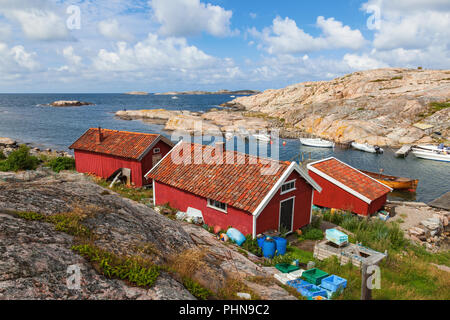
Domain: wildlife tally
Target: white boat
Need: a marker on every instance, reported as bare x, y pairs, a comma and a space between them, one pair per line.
229, 135
175, 98
431, 147
319, 143
367, 147
431, 155
262, 137
232, 96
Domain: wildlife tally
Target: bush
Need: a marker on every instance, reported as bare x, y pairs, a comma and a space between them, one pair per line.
61, 163
2, 155
20, 159
311, 233
251, 245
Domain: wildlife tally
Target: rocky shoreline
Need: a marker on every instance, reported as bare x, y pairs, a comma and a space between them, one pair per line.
35, 254
382, 107
8, 145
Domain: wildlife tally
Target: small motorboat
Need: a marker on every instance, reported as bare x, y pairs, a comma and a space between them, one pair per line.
262, 137
431, 147
318, 143
175, 98
367, 148
432, 155
229, 135
396, 183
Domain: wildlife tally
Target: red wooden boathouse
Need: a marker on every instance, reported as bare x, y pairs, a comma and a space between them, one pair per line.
239, 194
346, 188
103, 152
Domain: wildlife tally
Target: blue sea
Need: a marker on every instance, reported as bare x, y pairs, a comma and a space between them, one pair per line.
26, 118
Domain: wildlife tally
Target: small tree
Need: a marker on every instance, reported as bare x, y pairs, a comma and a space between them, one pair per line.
20, 159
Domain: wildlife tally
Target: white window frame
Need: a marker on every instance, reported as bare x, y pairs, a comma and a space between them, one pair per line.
289, 190
208, 204
156, 150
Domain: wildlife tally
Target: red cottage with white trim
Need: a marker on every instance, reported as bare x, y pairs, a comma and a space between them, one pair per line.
347, 188
235, 189
103, 152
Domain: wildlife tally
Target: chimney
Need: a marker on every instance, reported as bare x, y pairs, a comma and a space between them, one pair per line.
99, 136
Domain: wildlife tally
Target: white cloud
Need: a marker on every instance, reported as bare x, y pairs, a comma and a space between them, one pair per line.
412, 32
38, 19
285, 37
5, 31
190, 17
165, 58
110, 29
16, 60
363, 62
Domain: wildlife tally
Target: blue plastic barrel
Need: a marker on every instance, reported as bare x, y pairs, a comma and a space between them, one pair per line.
269, 248
281, 245
260, 241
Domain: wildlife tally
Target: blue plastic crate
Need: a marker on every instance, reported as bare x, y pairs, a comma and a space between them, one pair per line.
297, 284
333, 283
311, 290
336, 236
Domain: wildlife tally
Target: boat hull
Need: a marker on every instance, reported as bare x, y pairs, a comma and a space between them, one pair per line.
366, 148
428, 155
396, 183
317, 143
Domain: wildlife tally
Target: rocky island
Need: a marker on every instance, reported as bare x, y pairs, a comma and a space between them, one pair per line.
137, 93
237, 93
64, 103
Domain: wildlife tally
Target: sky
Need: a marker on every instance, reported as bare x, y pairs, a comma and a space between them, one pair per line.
112, 46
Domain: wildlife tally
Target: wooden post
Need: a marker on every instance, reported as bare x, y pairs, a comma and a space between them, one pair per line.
366, 293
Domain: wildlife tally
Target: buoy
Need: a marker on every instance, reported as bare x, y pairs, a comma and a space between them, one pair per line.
284, 143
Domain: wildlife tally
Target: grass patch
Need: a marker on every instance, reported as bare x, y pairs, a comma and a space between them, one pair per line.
310, 233
251, 245
233, 287
136, 194
135, 270
196, 289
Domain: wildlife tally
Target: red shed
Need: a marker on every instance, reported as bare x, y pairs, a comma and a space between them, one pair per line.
347, 188
234, 189
103, 152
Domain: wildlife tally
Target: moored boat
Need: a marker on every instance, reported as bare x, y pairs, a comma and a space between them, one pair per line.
431, 155
396, 183
431, 147
262, 137
318, 143
367, 147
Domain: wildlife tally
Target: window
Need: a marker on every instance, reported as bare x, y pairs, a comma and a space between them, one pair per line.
288, 187
217, 205
157, 150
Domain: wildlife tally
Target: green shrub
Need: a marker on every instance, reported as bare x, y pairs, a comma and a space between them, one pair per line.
20, 159
61, 163
2, 155
132, 269
196, 289
251, 245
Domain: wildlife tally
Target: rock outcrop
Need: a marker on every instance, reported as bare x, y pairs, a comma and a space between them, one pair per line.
377, 106
213, 122
34, 257
64, 103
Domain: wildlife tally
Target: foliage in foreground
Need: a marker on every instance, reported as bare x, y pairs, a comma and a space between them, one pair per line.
61, 163
19, 159
135, 194
134, 270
